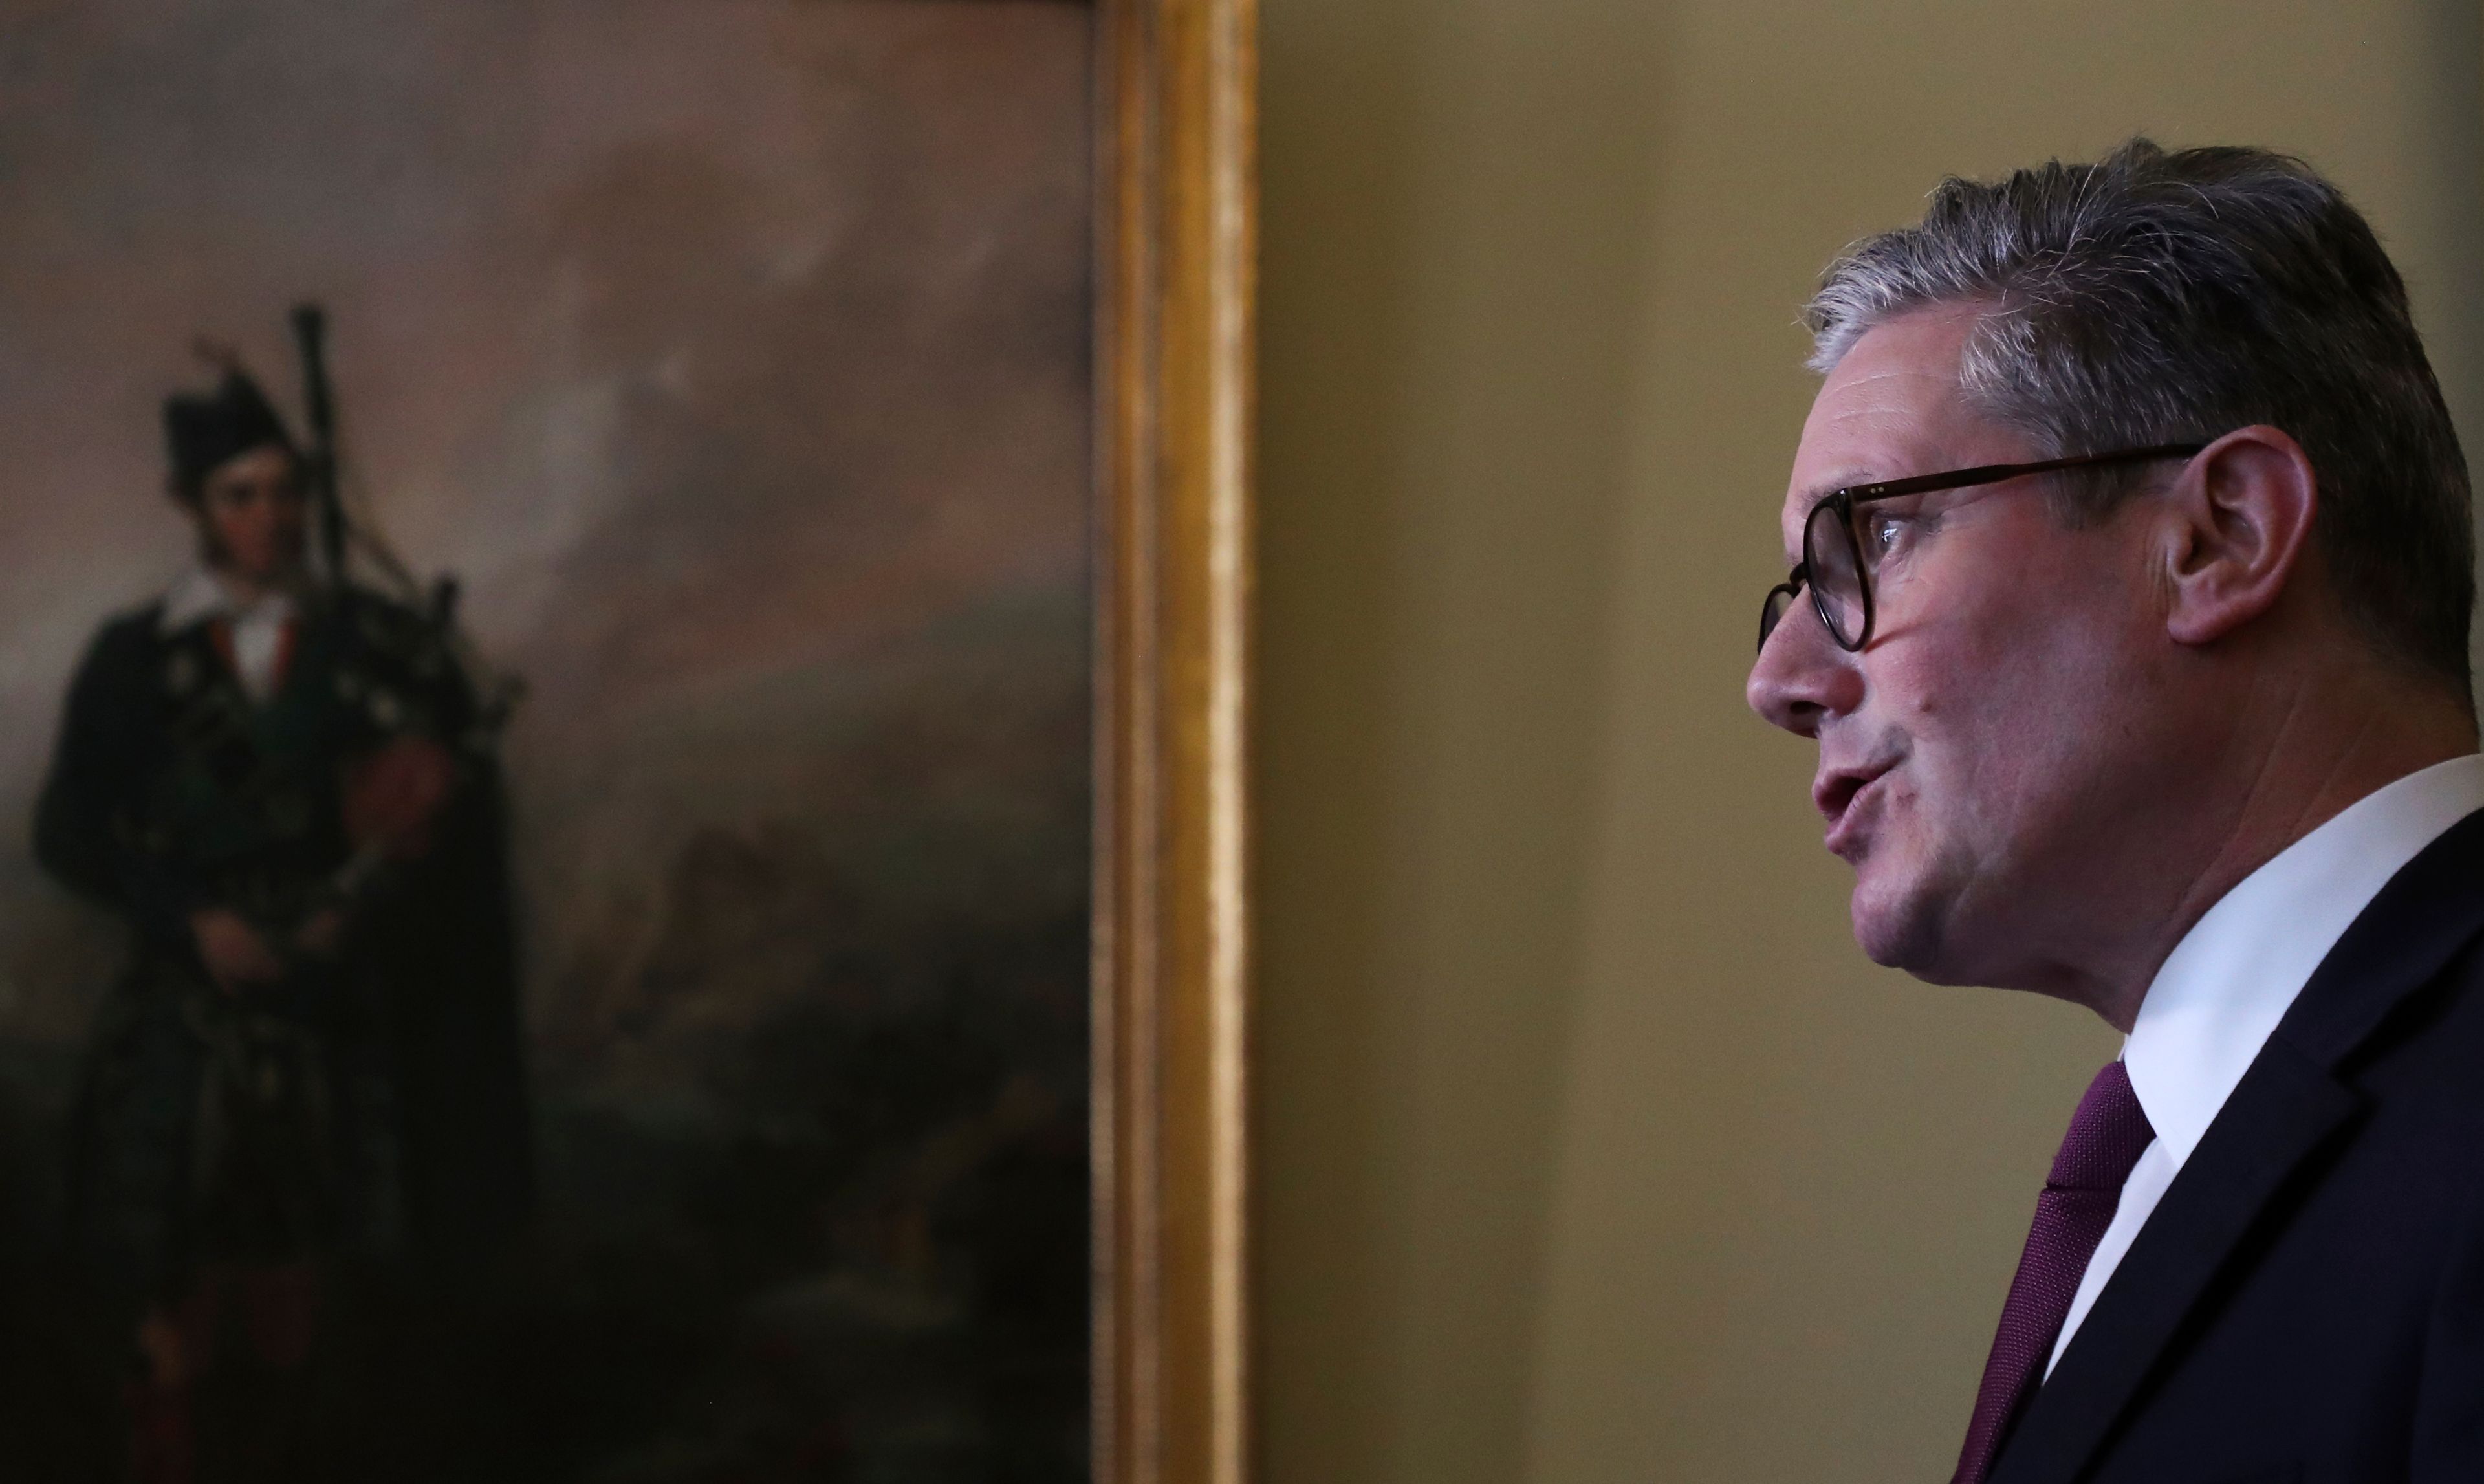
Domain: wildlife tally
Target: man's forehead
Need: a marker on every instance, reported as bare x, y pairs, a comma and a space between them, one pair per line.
1891, 407
1896, 376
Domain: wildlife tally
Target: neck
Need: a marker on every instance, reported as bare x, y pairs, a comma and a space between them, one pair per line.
2296, 757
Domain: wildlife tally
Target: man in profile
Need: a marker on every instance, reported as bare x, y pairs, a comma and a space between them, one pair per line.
272, 777
2129, 613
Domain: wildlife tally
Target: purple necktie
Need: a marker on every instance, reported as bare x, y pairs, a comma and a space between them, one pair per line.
2107, 1136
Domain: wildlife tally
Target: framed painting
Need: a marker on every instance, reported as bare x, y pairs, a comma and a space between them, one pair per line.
622, 838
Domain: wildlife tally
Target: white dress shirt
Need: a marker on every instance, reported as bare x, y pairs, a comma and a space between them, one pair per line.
256, 626
2229, 981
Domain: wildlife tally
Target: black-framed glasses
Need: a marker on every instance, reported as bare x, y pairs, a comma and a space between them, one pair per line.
1833, 563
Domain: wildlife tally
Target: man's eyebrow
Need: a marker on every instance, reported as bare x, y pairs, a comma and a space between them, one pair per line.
1843, 479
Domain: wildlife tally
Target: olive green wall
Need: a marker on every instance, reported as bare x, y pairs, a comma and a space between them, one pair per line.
1590, 1147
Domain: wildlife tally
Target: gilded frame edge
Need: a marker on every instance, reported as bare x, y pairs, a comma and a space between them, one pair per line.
1176, 249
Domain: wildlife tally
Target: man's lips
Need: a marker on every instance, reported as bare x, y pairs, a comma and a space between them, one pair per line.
1836, 793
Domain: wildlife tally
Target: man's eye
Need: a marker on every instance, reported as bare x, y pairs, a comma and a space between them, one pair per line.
1882, 532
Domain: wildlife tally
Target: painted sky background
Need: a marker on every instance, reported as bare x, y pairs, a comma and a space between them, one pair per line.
732, 352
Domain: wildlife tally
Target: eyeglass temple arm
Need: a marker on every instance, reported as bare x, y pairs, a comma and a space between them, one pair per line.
1994, 473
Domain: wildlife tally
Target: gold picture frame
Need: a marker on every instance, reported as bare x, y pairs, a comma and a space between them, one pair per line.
1174, 260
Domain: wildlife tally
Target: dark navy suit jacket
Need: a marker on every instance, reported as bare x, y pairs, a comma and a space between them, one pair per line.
2306, 1304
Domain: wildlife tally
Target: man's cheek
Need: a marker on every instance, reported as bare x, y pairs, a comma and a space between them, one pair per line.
1901, 808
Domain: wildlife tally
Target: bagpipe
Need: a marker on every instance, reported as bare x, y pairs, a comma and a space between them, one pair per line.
343, 539
392, 796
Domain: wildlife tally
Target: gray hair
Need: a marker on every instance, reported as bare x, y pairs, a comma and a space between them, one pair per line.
2154, 298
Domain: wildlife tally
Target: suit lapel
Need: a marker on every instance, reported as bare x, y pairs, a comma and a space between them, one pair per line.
2289, 1105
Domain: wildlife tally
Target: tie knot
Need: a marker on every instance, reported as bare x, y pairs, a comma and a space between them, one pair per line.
2107, 1134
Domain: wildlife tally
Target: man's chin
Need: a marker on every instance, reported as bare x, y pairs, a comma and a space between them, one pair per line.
1900, 930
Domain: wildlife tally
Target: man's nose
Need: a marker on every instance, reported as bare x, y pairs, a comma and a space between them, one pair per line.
1801, 675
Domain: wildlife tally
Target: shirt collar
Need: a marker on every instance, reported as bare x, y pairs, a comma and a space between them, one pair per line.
201, 595
2229, 981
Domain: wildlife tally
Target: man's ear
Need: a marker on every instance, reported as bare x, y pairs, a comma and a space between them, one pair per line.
2242, 522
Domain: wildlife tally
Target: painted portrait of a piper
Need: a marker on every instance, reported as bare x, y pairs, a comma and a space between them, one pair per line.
284, 784
682, 1071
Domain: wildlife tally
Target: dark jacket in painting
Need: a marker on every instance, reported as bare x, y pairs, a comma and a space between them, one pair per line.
368, 1101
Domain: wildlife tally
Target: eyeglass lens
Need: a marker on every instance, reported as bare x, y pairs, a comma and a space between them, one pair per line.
1836, 572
